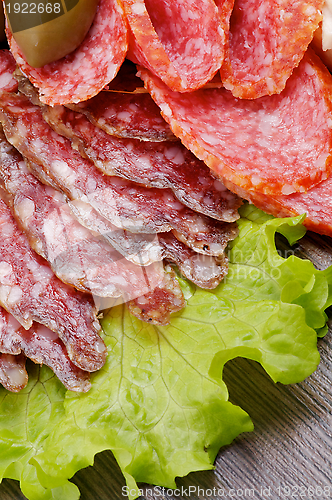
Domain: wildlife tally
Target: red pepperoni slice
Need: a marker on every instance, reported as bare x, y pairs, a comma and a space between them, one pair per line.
157, 306
316, 204
268, 39
274, 145
85, 72
181, 42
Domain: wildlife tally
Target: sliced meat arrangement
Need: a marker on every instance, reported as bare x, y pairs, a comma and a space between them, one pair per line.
124, 203
42, 346
274, 145
130, 115
76, 256
181, 42
160, 165
85, 71
267, 41
31, 292
13, 375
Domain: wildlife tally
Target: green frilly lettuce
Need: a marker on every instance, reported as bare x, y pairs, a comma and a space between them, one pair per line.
160, 403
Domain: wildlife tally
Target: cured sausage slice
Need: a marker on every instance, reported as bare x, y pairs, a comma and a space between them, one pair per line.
157, 306
124, 203
85, 71
267, 41
76, 256
274, 145
160, 165
203, 270
42, 346
31, 292
125, 109
181, 42
7, 67
13, 375
128, 115
315, 203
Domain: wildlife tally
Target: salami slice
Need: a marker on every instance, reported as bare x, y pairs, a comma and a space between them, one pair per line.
160, 165
13, 375
125, 109
7, 67
157, 306
124, 203
315, 203
85, 71
203, 270
274, 145
76, 256
267, 41
42, 346
31, 292
130, 115
181, 42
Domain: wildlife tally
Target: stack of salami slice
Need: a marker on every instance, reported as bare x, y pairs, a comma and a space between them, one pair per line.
104, 182
98, 235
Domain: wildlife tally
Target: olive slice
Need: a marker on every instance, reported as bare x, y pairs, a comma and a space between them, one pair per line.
47, 30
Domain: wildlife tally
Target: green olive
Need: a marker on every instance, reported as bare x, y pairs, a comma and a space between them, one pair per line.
47, 36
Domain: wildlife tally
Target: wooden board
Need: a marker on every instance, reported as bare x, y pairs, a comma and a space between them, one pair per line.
288, 455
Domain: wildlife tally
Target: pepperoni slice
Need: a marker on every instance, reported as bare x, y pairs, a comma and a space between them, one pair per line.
76, 256
181, 42
315, 203
203, 270
275, 145
268, 39
85, 71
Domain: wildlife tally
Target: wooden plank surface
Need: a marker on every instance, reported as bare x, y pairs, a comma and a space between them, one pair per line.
289, 454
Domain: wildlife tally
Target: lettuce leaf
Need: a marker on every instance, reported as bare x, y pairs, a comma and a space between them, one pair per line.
160, 403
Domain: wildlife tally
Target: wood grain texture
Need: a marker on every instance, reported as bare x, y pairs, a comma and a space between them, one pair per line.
290, 446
